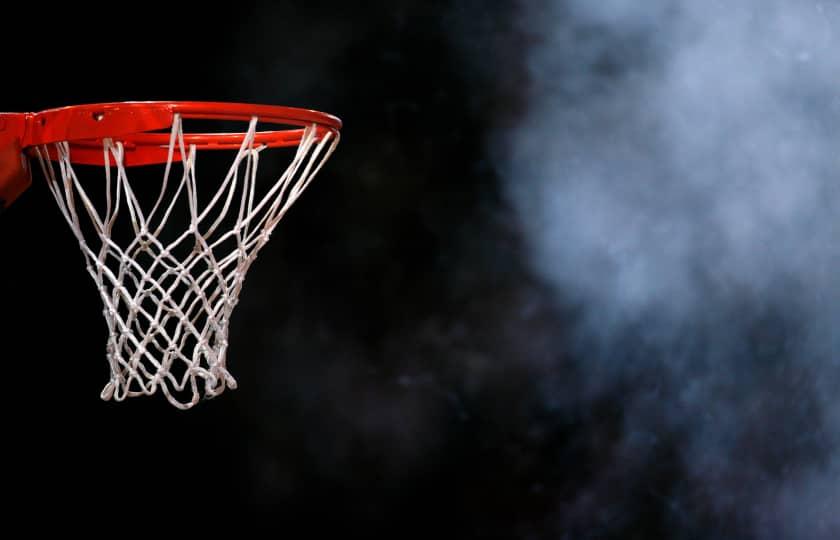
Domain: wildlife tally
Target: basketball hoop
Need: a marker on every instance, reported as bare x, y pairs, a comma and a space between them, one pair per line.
168, 291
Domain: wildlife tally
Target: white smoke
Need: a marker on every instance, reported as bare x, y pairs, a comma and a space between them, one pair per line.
678, 176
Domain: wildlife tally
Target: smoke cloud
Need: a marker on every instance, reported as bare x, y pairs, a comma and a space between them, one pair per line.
677, 173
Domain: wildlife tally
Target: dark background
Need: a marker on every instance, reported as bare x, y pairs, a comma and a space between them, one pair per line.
393, 345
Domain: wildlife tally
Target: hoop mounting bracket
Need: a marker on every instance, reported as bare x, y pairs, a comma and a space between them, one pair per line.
15, 176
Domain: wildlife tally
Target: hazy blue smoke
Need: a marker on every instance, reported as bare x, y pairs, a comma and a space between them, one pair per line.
678, 175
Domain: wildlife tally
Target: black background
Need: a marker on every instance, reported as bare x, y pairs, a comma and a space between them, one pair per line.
390, 341
398, 263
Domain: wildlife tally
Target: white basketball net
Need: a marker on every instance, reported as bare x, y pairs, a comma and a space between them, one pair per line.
168, 305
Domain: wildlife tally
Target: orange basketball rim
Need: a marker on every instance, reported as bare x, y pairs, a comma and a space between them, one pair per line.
135, 123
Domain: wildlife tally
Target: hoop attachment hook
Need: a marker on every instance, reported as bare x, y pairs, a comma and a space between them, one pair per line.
15, 175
